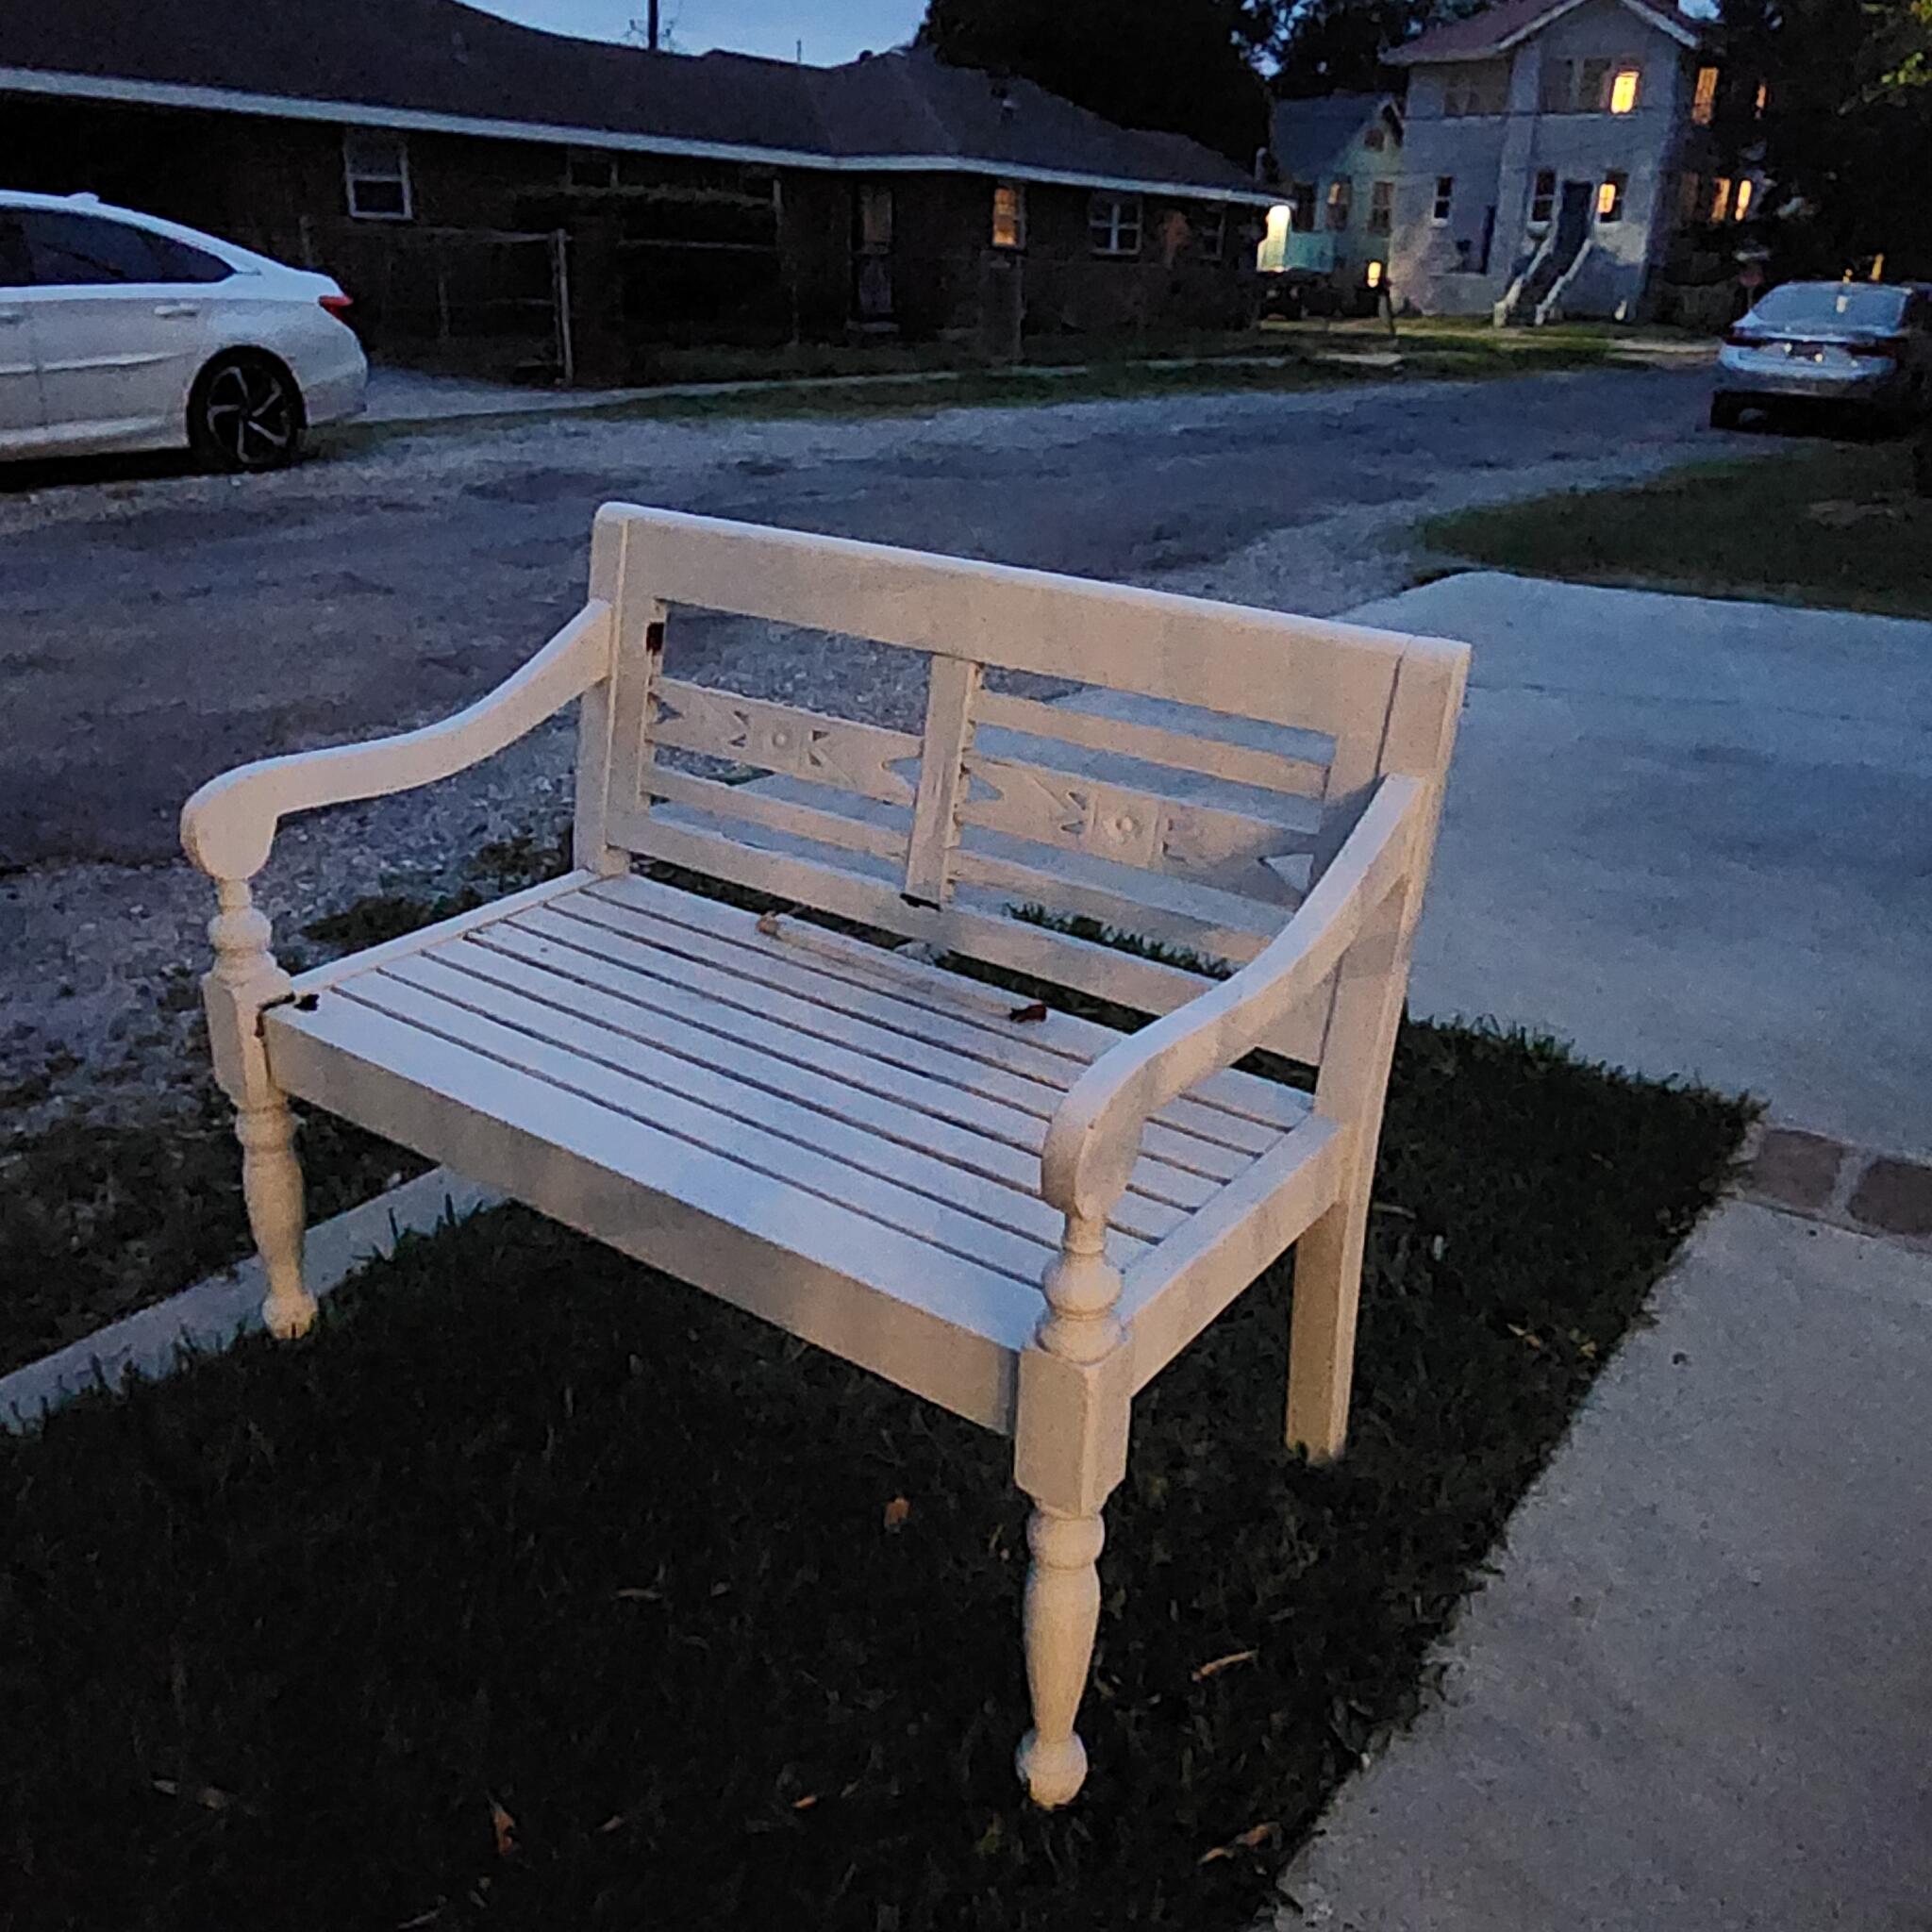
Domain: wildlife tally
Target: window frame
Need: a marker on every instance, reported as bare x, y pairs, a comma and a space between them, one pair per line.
1015, 242
1543, 198
1612, 198
1303, 195
1443, 207
354, 175
162, 257
1703, 95
1109, 222
1211, 236
1338, 205
1620, 72
1382, 206
603, 158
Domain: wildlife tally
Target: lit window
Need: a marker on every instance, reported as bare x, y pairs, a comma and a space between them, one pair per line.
1446, 198
1721, 198
1743, 204
1382, 206
1008, 215
1609, 197
1624, 91
1341, 200
1375, 275
1703, 103
1272, 257
1764, 100
1210, 233
1543, 199
375, 166
1113, 223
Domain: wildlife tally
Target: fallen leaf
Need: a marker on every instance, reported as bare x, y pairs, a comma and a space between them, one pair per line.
614, 1822
428, 1918
206, 1796
1524, 1335
897, 1511
806, 1803
634, 1595
1027, 1014
768, 924
1256, 1836
1214, 1666
506, 1828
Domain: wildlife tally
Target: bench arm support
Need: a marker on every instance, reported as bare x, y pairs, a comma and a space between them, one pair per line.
229, 825
1094, 1137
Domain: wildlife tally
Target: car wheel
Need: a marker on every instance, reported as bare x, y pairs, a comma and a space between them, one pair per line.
246, 413
1727, 411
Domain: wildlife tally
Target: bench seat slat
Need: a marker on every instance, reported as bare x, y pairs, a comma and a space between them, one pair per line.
987, 1177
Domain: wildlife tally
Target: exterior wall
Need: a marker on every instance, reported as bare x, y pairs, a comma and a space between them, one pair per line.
1342, 256
467, 280
1495, 159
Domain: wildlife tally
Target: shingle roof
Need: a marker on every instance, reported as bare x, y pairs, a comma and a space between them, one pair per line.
1497, 28
1308, 134
441, 58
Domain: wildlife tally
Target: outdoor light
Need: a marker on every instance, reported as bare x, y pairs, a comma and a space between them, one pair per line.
1375, 275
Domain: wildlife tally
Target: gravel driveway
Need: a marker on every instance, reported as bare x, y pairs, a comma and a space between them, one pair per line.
157, 628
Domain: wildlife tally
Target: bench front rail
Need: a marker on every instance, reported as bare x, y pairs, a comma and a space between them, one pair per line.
1018, 1214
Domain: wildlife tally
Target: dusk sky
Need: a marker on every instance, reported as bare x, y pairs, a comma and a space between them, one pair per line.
832, 30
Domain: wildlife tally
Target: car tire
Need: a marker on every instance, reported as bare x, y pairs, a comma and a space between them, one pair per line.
1727, 411
246, 412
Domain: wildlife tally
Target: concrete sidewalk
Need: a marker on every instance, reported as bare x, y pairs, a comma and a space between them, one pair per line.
1691, 835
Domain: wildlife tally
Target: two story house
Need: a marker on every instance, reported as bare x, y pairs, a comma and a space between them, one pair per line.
1338, 159
1556, 151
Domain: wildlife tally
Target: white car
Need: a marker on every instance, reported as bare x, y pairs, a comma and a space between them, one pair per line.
122, 332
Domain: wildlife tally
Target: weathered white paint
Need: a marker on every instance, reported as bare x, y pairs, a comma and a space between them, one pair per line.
1018, 1214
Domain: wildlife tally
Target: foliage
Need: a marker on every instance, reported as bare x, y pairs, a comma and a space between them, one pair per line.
1337, 46
1185, 66
538, 1590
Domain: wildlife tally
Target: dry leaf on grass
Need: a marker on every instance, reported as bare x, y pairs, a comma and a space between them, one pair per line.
1027, 1014
1251, 1840
897, 1511
768, 924
1214, 1666
505, 1827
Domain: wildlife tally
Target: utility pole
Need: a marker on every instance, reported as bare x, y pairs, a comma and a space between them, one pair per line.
652, 18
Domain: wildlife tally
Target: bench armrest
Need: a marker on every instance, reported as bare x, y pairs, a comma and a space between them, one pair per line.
1094, 1137
229, 825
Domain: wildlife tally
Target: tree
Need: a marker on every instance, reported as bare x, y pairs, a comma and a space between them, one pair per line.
1337, 46
1185, 66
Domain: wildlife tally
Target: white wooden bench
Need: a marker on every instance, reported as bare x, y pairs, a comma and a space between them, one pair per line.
1017, 1214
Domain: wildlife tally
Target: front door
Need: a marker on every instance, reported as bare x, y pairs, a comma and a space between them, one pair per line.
20, 380
117, 340
1572, 223
872, 252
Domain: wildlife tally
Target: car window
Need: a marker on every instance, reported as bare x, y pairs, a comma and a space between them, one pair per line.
89, 251
16, 271
1831, 305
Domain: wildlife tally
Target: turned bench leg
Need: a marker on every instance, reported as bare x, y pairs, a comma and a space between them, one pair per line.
1069, 1453
245, 980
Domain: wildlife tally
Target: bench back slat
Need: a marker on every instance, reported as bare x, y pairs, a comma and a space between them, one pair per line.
1185, 831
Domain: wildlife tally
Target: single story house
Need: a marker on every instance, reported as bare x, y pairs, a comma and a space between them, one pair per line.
1559, 156
474, 183
1338, 159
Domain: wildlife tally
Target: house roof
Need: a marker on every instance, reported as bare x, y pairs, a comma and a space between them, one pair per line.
442, 64
1307, 135
1498, 28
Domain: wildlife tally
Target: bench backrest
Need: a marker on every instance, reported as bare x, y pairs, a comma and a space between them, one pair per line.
1201, 835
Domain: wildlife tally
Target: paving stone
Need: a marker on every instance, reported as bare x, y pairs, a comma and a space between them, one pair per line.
1797, 1170
1895, 1196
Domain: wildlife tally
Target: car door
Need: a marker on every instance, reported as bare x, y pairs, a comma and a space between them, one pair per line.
119, 330
21, 422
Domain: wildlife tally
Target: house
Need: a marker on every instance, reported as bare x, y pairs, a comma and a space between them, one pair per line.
1338, 159
489, 193
1559, 158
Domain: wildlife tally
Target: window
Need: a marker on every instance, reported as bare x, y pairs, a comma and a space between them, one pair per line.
1691, 192
1375, 141
1763, 99
1301, 201
68, 251
1703, 101
1008, 215
1340, 201
1382, 206
1721, 198
1542, 198
1113, 223
1480, 89
1210, 232
1742, 205
375, 166
589, 167
1591, 87
1271, 257
1623, 86
1609, 197
1446, 198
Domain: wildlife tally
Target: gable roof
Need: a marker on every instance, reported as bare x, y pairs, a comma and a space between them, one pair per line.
1507, 25
441, 65
1307, 135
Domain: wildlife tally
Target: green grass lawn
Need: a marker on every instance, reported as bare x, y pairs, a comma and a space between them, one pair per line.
538, 1590
1828, 524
